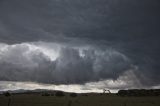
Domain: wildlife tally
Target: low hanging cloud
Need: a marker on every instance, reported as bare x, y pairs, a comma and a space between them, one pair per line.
81, 41
28, 62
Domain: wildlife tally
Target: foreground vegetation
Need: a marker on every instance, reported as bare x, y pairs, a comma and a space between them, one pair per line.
92, 99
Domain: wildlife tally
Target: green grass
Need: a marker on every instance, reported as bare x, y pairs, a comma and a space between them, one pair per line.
91, 100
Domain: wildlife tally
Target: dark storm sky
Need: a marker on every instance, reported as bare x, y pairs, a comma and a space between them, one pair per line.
121, 35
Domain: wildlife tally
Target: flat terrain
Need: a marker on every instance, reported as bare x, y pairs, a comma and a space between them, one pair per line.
80, 100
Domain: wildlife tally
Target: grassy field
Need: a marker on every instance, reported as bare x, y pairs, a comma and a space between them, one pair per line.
90, 100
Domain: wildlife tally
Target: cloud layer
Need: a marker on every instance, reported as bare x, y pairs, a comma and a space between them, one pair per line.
82, 41
28, 62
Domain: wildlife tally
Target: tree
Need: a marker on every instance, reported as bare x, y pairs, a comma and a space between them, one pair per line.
59, 93
104, 91
73, 95
7, 94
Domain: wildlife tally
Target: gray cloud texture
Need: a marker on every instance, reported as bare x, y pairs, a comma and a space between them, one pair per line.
104, 38
24, 62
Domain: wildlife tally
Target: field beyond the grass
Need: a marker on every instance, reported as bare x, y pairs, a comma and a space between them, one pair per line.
80, 100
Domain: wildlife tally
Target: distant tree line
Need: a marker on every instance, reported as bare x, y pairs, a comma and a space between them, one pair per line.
139, 92
59, 94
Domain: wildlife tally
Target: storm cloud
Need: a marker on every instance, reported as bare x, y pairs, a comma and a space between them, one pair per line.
80, 41
28, 62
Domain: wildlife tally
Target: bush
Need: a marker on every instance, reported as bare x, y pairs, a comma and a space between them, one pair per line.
7, 94
73, 95
84, 95
59, 94
45, 94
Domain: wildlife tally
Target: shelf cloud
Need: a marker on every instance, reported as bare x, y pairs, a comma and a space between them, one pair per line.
80, 42
28, 62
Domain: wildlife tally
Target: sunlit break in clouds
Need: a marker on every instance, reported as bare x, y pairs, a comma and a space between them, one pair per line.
81, 45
